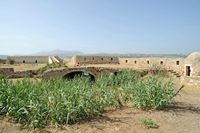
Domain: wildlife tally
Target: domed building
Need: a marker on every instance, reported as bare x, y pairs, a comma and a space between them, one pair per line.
192, 65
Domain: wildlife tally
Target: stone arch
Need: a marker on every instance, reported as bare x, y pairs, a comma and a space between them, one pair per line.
73, 74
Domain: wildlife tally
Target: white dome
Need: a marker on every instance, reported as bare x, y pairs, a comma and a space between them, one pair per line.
193, 58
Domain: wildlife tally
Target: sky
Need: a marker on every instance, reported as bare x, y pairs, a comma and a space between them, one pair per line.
100, 26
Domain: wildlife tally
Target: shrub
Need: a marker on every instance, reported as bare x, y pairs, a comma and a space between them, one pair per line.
149, 123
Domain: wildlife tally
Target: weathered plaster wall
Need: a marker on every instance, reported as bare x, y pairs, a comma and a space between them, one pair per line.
193, 61
177, 65
153, 63
81, 60
29, 59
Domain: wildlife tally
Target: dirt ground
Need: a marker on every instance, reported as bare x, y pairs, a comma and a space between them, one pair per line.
181, 117
22, 67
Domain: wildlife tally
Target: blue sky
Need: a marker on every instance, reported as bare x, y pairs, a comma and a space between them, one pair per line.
93, 26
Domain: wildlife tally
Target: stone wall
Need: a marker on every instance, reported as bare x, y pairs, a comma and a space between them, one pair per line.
29, 59
81, 60
176, 64
195, 70
2, 61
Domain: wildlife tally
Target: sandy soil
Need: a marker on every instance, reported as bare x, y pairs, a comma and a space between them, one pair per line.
181, 117
22, 67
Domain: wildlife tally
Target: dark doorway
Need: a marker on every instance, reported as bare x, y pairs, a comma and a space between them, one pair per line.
126, 61
24, 61
72, 75
177, 62
188, 71
36, 61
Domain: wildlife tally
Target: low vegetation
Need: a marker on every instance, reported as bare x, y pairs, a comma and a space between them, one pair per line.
58, 101
52, 66
149, 123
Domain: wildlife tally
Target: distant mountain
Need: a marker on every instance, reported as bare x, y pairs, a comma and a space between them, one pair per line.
131, 55
61, 53
68, 54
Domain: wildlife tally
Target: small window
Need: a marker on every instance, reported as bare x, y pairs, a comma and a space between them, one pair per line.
135, 62
161, 62
36, 61
24, 61
148, 62
101, 58
177, 62
126, 61
111, 58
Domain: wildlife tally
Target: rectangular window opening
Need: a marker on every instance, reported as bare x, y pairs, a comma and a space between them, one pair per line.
177, 62
188, 71
135, 62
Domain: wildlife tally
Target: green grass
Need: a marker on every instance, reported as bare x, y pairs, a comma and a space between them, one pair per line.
149, 123
58, 101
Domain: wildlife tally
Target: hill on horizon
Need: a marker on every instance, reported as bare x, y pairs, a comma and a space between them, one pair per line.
68, 54
60, 53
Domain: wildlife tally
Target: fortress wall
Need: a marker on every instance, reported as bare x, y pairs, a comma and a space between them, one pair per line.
82, 60
188, 66
195, 70
143, 63
2, 61
29, 59
176, 64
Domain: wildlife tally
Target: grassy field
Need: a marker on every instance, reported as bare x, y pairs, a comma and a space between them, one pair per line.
58, 102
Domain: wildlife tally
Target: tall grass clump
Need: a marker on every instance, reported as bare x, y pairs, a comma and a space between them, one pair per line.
115, 86
58, 101
51, 102
152, 92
